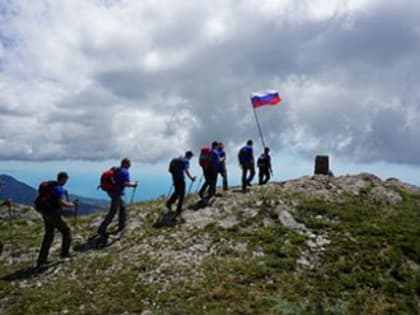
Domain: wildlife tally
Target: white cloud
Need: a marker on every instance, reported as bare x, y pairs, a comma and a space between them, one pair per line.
100, 79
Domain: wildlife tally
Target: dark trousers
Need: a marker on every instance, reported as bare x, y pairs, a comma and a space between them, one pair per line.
223, 173
246, 179
210, 182
263, 175
117, 204
179, 193
52, 222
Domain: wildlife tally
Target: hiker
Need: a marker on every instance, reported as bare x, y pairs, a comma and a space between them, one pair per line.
177, 168
264, 167
210, 172
246, 161
222, 165
121, 179
6, 202
50, 203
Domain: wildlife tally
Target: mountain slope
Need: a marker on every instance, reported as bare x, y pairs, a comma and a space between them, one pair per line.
314, 245
24, 194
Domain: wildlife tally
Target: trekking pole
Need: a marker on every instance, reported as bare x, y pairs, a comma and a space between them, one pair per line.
133, 193
169, 192
189, 188
12, 237
76, 211
199, 184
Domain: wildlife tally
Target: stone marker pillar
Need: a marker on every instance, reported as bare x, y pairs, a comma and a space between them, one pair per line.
322, 165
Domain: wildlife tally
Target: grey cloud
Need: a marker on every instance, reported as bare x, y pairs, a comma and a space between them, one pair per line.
345, 80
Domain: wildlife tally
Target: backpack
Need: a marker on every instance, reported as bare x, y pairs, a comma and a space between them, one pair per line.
107, 180
262, 161
241, 156
45, 199
205, 157
176, 165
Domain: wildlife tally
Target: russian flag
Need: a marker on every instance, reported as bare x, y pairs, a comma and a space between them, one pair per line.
262, 98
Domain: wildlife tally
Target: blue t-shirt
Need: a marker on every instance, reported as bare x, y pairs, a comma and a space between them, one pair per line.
185, 165
122, 177
247, 154
215, 160
222, 155
58, 194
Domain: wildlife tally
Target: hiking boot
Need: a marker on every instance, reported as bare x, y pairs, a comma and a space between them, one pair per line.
40, 268
168, 206
66, 256
42, 265
179, 220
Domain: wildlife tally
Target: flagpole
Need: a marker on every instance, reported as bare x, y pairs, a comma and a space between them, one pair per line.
259, 127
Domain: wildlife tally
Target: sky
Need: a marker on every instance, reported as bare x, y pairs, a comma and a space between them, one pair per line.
84, 83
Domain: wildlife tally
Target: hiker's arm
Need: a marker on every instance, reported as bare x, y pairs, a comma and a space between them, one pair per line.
189, 174
130, 184
68, 204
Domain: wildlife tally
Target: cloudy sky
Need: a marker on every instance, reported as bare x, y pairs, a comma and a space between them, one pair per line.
99, 79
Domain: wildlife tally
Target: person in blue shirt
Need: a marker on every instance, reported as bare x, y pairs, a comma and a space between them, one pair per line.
122, 180
178, 179
246, 161
53, 220
222, 165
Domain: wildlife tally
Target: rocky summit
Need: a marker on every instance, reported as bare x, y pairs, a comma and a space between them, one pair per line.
312, 245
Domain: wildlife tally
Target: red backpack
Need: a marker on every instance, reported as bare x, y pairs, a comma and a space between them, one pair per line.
107, 180
205, 157
45, 200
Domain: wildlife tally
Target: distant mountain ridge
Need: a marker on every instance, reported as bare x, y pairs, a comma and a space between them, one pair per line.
24, 194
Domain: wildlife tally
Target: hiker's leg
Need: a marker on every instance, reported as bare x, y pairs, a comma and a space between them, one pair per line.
112, 211
122, 214
180, 187
213, 183
251, 175
225, 179
244, 171
47, 241
174, 195
260, 176
66, 235
267, 176
205, 184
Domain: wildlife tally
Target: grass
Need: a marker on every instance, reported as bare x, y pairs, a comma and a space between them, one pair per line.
371, 265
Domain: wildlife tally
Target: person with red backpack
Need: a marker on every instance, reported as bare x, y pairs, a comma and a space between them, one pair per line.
50, 202
209, 159
114, 181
